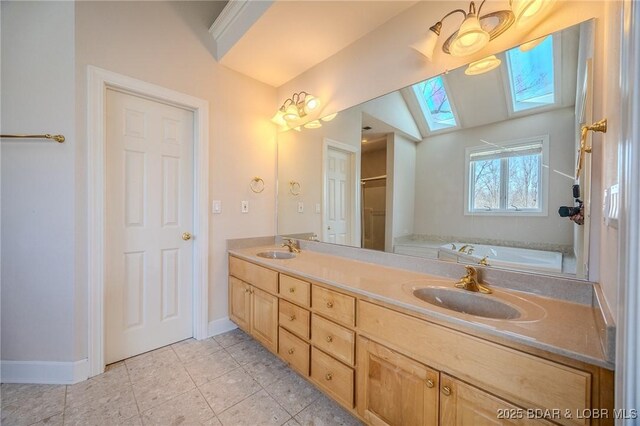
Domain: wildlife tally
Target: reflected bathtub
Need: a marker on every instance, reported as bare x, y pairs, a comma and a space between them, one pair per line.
505, 257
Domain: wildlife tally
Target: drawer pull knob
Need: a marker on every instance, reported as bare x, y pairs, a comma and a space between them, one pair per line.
328, 376
292, 290
246, 290
292, 318
329, 339
329, 304
429, 383
291, 351
446, 390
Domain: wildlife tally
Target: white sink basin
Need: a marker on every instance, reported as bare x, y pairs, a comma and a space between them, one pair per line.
276, 254
466, 302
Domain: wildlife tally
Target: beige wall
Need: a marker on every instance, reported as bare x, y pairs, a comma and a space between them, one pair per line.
440, 174
167, 43
44, 193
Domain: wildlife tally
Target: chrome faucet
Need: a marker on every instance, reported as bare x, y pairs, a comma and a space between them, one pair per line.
466, 247
470, 282
291, 245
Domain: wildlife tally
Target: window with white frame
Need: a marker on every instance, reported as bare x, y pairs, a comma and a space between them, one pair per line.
507, 178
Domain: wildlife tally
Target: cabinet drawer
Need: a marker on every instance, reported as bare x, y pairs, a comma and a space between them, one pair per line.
296, 290
337, 306
526, 380
294, 351
260, 277
333, 339
294, 318
332, 376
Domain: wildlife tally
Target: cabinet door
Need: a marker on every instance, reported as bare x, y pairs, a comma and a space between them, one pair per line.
264, 318
240, 303
394, 389
462, 404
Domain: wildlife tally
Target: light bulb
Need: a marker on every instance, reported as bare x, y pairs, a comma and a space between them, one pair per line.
471, 37
483, 65
525, 10
291, 113
277, 118
311, 103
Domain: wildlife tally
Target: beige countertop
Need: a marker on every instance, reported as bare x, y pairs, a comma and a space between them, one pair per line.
556, 326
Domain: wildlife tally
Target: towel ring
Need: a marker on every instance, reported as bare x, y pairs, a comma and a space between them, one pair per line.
294, 188
257, 185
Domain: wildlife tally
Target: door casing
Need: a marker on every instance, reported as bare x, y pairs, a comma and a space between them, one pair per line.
98, 80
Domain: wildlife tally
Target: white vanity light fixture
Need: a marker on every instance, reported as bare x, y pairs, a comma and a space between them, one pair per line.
296, 109
329, 117
474, 33
483, 65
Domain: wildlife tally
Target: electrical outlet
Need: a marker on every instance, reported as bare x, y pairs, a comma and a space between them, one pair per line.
216, 207
245, 207
300, 207
318, 208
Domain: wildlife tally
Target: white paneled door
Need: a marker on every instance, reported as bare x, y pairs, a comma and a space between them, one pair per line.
337, 205
149, 218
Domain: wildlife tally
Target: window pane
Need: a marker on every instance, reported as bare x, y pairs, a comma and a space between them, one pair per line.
524, 180
433, 95
531, 76
486, 184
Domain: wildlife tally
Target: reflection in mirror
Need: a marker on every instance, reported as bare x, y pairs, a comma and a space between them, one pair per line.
470, 166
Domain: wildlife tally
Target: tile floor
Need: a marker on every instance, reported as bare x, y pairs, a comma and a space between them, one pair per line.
229, 379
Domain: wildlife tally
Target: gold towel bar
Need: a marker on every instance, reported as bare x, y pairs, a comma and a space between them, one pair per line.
598, 126
57, 138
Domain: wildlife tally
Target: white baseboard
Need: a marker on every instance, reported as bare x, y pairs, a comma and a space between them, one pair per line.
47, 372
220, 326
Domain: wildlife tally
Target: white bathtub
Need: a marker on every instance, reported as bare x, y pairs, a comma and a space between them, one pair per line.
507, 257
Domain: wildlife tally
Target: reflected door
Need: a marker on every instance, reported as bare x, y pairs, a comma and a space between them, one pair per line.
337, 202
149, 278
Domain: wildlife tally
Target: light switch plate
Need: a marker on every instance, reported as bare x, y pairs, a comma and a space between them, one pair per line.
245, 207
318, 208
216, 207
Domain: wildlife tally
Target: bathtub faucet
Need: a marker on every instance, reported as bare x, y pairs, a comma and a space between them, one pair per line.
470, 282
467, 249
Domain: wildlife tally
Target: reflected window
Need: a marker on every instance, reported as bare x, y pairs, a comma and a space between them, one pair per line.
435, 103
531, 76
507, 178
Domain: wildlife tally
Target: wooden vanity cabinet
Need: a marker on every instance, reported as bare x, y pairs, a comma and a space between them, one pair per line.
395, 368
462, 404
253, 309
394, 389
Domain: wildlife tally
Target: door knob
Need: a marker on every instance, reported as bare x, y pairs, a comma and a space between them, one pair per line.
187, 236
329, 228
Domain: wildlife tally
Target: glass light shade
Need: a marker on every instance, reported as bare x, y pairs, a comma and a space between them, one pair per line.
311, 103
329, 117
525, 47
483, 65
525, 10
427, 46
313, 124
471, 37
277, 118
291, 113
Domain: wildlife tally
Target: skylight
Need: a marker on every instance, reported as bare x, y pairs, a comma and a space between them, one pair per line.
435, 104
531, 76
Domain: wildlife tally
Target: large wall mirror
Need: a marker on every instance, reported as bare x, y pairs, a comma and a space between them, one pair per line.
471, 166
